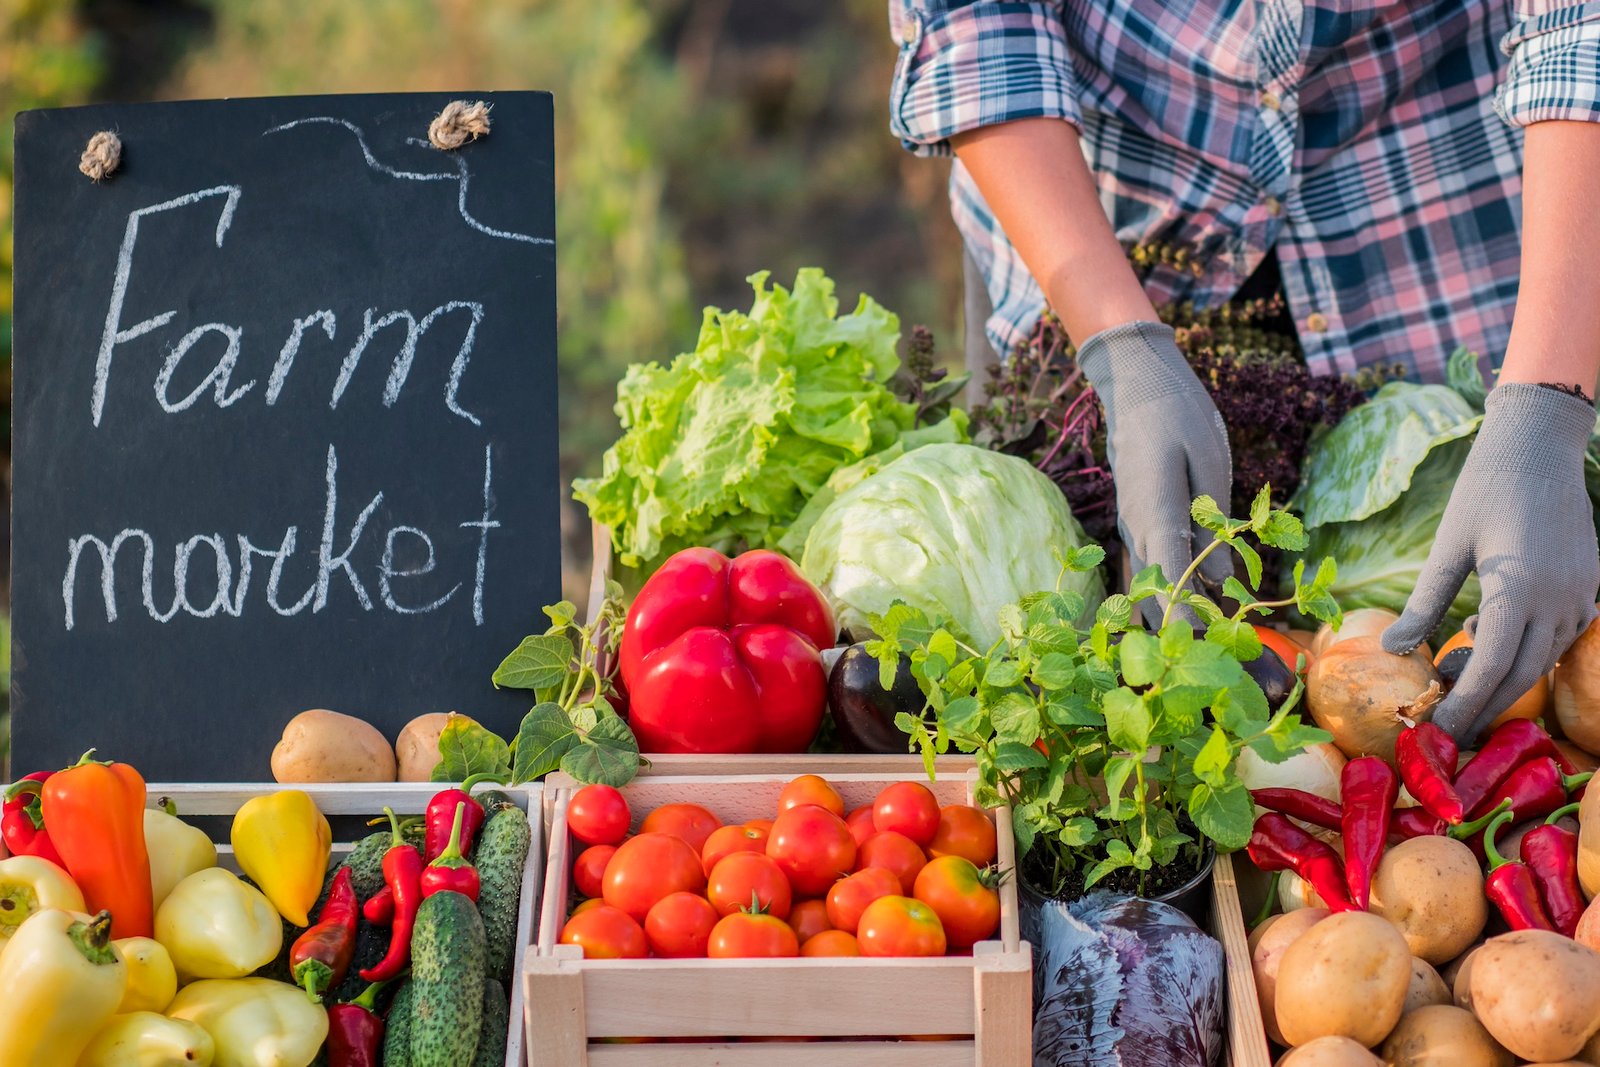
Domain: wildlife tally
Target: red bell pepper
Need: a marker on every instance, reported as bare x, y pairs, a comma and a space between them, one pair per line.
723, 655
22, 821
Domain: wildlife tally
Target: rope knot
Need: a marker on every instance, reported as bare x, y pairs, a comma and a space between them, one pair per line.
458, 123
102, 155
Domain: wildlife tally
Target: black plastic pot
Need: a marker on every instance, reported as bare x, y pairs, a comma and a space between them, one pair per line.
1193, 897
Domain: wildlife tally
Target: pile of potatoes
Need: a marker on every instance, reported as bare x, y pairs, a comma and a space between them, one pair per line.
325, 746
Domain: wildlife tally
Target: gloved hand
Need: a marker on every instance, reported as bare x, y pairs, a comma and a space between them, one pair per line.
1519, 515
1166, 443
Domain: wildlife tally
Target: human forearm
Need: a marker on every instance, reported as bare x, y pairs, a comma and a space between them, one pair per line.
1034, 178
1555, 336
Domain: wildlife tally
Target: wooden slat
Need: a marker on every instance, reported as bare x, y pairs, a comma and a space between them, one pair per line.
792, 764
1247, 1037
557, 1035
1003, 995
957, 1053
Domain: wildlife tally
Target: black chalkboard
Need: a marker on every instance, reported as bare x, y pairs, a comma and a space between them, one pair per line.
302, 365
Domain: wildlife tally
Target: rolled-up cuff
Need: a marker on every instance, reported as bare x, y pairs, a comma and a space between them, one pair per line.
1554, 74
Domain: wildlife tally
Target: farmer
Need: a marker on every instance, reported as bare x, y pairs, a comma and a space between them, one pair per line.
1399, 169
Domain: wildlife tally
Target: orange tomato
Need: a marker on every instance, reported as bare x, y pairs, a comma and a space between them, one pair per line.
895, 851
605, 933
649, 867
809, 918
1536, 703
749, 880
689, 821
964, 831
860, 823
813, 847
589, 869
1283, 645
587, 905
810, 789
746, 936
679, 925
850, 896
764, 825
726, 840
900, 926
831, 943
964, 898
908, 808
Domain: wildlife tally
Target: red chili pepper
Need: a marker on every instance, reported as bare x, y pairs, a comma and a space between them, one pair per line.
355, 1031
1551, 853
1299, 804
451, 872
379, 908
1513, 744
320, 957
22, 821
1369, 787
1278, 844
442, 812
402, 873
1534, 789
1510, 885
1407, 823
1426, 757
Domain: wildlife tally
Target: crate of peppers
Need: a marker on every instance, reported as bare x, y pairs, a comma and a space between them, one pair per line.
231, 925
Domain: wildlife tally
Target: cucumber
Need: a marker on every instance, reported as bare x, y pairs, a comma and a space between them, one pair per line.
366, 864
372, 944
447, 976
502, 853
397, 1029
496, 1022
493, 800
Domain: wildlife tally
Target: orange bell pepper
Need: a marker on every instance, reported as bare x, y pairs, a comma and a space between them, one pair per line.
95, 812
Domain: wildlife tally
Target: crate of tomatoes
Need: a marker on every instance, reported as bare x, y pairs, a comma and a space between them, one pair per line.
691, 919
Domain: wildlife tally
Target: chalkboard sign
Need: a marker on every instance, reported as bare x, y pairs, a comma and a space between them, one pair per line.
284, 421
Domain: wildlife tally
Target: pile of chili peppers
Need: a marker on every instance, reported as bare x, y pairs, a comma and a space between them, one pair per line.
1519, 774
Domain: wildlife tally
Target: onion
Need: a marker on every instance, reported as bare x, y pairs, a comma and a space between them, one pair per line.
1358, 693
1295, 892
1315, 769
1362, 622
1577, 691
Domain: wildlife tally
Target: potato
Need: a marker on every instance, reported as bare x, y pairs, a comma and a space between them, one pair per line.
1358, 692
1346, 975
1329, 1051
1588, 932
1268, 954
1442, 1035
324, 746
1461, 980
417, 747
1589, 843
1426, 987
1432, 890
1538, 993
1260, 931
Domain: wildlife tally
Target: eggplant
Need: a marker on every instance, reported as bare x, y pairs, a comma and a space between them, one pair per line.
1275, 677
1453, 664
864, 711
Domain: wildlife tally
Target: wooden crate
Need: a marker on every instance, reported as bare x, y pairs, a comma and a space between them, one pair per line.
1247, 1036
212, 807
575, 1005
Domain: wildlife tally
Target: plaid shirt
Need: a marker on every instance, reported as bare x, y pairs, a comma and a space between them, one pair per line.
1376, 144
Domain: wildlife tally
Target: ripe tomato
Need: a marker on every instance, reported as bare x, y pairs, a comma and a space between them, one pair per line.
679, 925
809, 918
900, 926
860, 823
746, 936
813, 846
964, 831
764, 825
598, 815
895, 851
726, 840
647, 868
1283, 645
850, 896
589, 869
908, 808
749, 880
587, 905
964, 898
810, 789
605, 933
689, 821
831, 943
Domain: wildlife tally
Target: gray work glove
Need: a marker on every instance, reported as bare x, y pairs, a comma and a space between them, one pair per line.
1166, 444
1519, 515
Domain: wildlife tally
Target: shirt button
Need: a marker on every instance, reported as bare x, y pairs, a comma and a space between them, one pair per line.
1317, 322
1273, 205
1270, 101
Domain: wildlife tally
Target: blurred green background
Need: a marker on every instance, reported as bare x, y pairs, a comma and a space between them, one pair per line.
697, 142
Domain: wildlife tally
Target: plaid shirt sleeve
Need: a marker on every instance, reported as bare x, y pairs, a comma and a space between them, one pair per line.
1555, 63
966, 64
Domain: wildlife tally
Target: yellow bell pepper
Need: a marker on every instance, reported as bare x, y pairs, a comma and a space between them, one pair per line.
145, 1039
255, 1022
62, 982
215, 926
152, 979
29, 884
283, 843
176, 849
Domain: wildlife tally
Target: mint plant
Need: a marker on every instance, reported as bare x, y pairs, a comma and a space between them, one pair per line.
1113, 745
